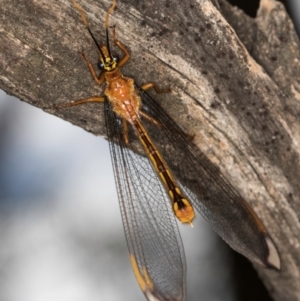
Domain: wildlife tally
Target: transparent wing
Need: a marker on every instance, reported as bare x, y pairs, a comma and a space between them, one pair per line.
210, 193
153, 240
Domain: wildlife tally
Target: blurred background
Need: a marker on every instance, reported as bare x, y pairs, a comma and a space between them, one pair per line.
60, 228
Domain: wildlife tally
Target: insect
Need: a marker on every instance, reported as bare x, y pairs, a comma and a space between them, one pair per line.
165, 184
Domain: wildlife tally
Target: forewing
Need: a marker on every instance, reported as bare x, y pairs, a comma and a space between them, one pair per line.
210, 193
153, 240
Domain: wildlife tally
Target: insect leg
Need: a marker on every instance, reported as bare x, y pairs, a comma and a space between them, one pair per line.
156, 88
125, 131
99, 79
146, 116
150, 85
80, 102
126, 57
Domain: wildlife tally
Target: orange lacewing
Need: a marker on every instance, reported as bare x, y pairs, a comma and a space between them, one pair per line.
166, 184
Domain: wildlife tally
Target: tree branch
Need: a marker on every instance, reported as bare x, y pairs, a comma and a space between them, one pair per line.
235, 83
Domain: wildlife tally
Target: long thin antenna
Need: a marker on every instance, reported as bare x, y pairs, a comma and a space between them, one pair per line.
109, 12
106, 25
80, 9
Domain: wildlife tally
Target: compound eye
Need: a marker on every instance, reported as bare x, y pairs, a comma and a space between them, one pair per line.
116, 58
100, 65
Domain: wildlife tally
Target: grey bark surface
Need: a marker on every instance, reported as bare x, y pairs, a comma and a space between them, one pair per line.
235, 85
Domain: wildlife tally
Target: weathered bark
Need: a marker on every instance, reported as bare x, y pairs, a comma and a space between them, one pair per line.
235, 83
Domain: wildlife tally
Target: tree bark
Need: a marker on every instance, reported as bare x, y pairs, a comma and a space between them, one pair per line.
235, 86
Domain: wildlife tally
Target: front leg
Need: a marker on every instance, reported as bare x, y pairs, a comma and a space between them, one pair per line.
99, 79
126, 57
